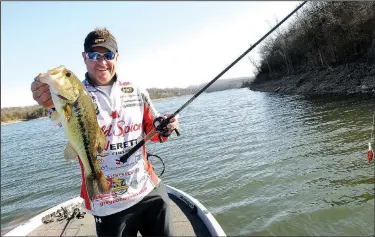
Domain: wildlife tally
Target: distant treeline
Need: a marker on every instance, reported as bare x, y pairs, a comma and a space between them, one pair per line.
224, 84
322, 35
227, 84
23, 113
156, 93
36, 111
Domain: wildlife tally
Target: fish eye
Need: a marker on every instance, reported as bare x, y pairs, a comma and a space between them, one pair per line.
68, 74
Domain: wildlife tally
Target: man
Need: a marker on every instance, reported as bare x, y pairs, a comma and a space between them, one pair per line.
138, 200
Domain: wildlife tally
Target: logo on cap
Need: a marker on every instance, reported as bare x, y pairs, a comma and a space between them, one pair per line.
100, 40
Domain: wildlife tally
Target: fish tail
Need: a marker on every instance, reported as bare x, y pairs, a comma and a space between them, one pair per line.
102, 183
92, 188
96, 185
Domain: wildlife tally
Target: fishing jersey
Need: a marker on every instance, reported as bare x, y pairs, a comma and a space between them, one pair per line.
125, 116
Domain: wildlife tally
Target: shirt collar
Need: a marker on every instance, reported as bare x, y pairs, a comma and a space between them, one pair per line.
91, 86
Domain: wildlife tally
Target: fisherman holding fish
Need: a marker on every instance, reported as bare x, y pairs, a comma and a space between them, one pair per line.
103, 116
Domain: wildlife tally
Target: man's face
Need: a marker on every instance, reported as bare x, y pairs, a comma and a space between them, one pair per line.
101, 70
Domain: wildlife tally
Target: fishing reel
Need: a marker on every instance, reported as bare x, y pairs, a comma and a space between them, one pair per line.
160, 125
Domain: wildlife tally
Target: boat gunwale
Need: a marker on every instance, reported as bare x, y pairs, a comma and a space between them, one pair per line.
36, 221
207, 218
210, 222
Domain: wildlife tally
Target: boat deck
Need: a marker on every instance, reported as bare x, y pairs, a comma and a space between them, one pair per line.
185, 223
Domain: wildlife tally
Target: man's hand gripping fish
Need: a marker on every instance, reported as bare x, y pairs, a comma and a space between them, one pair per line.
76, 112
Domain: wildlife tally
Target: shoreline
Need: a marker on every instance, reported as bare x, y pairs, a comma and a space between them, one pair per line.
161, 99
19, 121
355, 79
12, 122
25, 120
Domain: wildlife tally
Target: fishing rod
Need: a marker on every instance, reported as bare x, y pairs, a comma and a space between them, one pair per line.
160, 123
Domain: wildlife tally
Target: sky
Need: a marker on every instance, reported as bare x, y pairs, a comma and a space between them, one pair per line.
161, 44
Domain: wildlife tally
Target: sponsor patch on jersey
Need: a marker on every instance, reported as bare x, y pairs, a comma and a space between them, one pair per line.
127, 89
119, 186
124, 83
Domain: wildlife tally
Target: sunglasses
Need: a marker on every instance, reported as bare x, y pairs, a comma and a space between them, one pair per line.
95, 55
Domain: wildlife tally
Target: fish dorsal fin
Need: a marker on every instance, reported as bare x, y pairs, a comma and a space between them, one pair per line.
69, 153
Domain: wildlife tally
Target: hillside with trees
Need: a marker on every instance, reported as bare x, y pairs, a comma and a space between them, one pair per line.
328, 48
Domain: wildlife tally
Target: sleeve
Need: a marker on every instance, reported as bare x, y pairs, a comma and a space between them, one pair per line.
149, 114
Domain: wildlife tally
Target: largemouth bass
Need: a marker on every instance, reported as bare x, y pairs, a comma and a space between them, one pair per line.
75, 111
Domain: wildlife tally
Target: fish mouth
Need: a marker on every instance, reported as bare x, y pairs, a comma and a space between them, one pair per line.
61, 97
51, 75
52, 78
57, 94
56, 71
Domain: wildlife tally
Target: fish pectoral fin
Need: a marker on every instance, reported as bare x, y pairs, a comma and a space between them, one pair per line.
101, 154
68, 112
69, 153
55, 117
100, 143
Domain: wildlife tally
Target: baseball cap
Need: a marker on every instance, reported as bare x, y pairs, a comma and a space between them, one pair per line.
94, 39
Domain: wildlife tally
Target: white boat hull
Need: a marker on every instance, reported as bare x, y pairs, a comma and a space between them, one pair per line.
195, 206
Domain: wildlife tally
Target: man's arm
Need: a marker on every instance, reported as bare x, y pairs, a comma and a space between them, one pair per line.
149, 115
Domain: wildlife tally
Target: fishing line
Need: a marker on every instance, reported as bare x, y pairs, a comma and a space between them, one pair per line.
373, 126
162, 123
154, 166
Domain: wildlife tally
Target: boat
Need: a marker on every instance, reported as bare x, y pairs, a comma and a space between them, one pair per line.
189, 216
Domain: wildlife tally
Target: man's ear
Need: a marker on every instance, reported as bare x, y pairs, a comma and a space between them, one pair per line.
84, 56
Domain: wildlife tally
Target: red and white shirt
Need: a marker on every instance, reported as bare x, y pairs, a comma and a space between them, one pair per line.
125, 116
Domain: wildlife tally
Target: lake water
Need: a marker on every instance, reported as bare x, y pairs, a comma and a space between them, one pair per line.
262, 163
